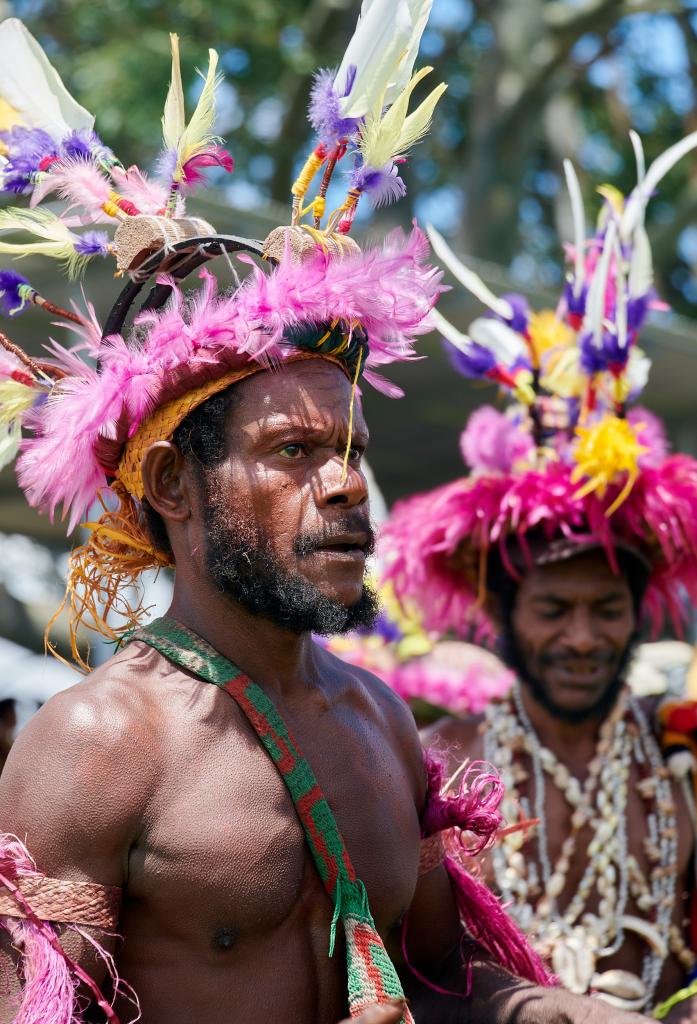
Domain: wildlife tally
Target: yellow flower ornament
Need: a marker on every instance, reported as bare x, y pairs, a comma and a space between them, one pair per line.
604, 452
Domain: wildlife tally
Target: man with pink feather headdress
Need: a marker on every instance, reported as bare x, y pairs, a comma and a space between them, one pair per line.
574, 527
162, 830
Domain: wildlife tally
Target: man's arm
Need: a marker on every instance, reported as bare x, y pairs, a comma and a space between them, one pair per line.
460, 967
71, 791
482, 992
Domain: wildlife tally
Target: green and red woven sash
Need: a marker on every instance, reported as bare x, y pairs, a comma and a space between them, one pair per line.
372, 977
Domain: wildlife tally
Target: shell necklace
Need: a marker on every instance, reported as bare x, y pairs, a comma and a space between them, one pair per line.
576, 939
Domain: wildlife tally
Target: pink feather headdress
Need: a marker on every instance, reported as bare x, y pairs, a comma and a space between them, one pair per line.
569, 459
321, 295
82, 418
387, 291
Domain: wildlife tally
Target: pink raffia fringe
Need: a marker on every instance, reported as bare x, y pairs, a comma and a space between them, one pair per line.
51, 979
473, 820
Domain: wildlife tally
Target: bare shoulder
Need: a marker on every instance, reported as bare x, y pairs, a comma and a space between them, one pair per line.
81, 769
458, 738
380, 705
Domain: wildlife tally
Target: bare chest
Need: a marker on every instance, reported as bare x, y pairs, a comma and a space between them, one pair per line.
223, 857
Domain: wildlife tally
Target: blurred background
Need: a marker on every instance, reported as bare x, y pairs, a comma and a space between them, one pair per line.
530, 82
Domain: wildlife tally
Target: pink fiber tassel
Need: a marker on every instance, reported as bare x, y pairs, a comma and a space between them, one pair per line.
51, 979
489, 925
474, 811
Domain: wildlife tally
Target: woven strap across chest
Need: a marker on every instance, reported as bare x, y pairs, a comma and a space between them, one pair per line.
372, 977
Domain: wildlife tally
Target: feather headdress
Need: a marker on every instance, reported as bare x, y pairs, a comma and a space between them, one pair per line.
570, 457
113, 393
361, 109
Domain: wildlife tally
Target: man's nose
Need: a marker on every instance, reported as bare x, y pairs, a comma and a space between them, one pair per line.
332, 488
581, 635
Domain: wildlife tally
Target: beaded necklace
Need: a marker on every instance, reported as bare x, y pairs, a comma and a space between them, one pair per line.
574, 938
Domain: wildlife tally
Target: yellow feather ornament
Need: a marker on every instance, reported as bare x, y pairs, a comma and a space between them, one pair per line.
15, 400
55, 239
387, 135
606, 451
198, 136
174, 117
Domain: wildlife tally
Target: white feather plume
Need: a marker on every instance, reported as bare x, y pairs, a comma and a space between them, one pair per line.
505, 344
620, 293
639, 157
637, 370
639, 199
640, 277
419, 11
30, 84
471, 281
450, 332
381, 52
579, 222
595, 307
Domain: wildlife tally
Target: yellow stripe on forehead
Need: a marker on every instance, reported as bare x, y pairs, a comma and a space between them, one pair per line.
165, 420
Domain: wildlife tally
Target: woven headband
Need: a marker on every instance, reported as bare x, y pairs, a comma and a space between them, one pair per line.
165, 420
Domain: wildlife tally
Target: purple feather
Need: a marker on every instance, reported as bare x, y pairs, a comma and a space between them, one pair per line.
350, 79
324, 112
27, 148
521, 311
637, 310
387, 629
475, 364
166, 164
610, 354
92, 243
615, 354
575, 304
593, 360
12, 302
79, 145
382, 184
86, 145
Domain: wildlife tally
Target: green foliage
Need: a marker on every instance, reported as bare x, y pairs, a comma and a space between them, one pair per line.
531, 81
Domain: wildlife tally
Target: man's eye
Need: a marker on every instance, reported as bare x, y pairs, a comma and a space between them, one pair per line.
292, 451
550, 613
612, 614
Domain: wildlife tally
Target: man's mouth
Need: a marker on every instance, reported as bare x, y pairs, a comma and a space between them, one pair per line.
581, 673
353, 545
351, 538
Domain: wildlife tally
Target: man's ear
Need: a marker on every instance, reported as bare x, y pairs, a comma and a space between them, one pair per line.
166, 481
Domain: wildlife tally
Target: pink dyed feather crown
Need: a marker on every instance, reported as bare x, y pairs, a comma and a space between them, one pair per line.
569, 458
322, 294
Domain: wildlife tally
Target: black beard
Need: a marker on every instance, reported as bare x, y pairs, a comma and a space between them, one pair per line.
247, 572
510, 652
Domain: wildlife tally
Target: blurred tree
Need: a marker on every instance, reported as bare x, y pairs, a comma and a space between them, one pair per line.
531, 81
